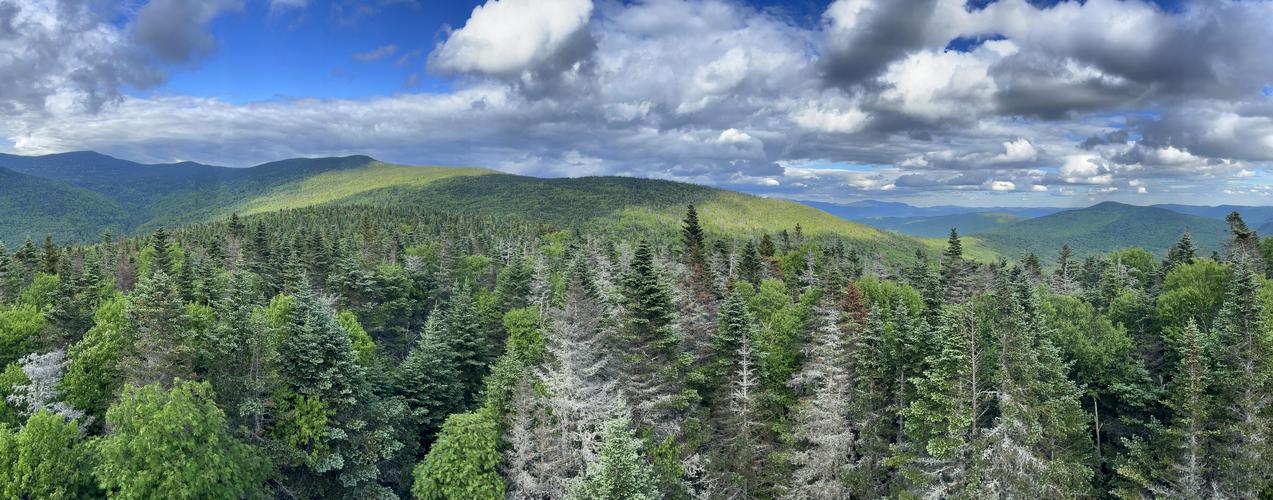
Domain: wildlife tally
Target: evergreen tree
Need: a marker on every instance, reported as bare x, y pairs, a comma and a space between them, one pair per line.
953, 268
160, 349
749, 267
1034, 446
825, 437
429, 381
650, 347
51, 258
163, 259
766, 247
1243, 355
620, 470
1183, 252
10, 276
1190, 470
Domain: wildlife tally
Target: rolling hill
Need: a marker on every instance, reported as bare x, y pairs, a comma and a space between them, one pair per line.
139, 197
1102, 228
939, 226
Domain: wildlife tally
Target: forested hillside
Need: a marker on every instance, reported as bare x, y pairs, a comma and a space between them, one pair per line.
419, 351
1105, 227
169, 195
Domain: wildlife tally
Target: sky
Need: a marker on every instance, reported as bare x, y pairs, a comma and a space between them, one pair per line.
969, 102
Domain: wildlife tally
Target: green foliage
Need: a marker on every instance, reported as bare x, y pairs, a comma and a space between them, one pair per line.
175, 444
20, 327
463, 462
94, 374
525, 336
45, 459
41, 293
621, 471
359, 339
11, 377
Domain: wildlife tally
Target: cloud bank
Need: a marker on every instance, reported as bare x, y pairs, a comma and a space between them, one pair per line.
925, 100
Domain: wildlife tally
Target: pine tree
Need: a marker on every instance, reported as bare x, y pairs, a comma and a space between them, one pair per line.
1183, 252
243, 362
10, 277
766, 247
1033, 447
468, 341
942, 424
1190, 469
163, 254
51, 258
316, 355
749, 267
1063, 280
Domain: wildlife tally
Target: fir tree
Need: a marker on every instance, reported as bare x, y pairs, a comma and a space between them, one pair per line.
749, 267
429, 381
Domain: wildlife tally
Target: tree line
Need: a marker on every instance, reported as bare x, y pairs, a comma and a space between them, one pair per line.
356, 352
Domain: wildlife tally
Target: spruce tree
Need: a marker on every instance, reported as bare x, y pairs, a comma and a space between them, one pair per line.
1242, 355
620, 470
10, 277
51, 258
749, 267
953, 268
1190, 470
428, 380
651, 346
161, 347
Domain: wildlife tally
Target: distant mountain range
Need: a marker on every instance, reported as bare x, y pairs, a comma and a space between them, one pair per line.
1096, 229
76, 196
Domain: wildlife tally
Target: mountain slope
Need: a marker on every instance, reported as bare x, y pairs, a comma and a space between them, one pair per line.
169, 195
1105, 227
939, 226
31, 207
631, 205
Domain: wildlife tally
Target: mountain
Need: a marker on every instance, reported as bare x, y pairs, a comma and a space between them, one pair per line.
31, 207
143, 197
1105, 227
1254, 216
867, 209
939, 226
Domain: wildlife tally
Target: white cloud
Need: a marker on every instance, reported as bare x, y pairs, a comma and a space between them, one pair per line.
1002, 186
733, 136
506, 37
831, 121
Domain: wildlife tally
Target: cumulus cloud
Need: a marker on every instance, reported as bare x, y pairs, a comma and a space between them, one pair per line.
1103, 97
508, 37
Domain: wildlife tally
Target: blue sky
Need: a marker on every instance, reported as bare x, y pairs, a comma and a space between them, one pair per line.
1004, 102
